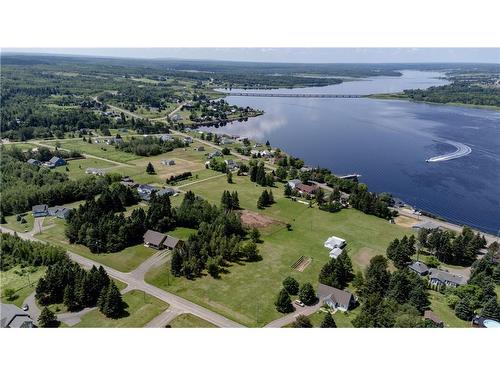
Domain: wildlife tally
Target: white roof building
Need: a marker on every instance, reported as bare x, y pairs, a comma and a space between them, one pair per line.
334, 243
336, 252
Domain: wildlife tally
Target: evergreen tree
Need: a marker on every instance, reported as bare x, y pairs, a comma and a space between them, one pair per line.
112, 305
47, 319
283, 302
235, 200
291, 285
229, 178
288, 190
377, 277
491, 309
150, 169
69, 299
302, 321
463, 310
419, 297
176, 264
328, 322
307, 294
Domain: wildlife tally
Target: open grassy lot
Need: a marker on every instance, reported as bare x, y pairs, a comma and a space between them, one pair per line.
190, 321
76, 168
141, 308
22, 280
21, 146
447, 315
99, 149
13, 224
247, 292
125, 260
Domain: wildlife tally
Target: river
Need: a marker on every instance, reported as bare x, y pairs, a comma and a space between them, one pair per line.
388, 143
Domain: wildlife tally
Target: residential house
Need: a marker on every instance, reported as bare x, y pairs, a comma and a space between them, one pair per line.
440, 278
188, 140
214, 154
95, 171
166, 137
59, 212
255, 153
160, 241
34, 162
168, 162
335, 298
168, 191
145, 191
293, 183
419, 268
307, 189
231, 164
40, 210
226, 141
54, 162
429, 315
200, 148
306, 169
12, 316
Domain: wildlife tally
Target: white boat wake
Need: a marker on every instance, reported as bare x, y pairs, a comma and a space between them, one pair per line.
461, 150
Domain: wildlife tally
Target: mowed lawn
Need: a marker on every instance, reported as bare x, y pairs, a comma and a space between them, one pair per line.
190, 321
247, 292
76, 168
15, 225
125, 260
445, 313
141, 308
98, 149
22, 280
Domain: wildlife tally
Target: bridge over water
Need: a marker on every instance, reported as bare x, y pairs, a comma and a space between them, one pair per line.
297, 95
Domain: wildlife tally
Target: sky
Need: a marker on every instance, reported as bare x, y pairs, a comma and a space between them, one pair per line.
294, 55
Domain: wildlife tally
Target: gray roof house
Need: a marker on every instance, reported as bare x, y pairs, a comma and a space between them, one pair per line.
54, 162
168, 162
419, 268
166, 137
40, 210
336, 298
160, 241
12, 316
34, 162
293, 183
168, 191
439, 277
214, 154
59, 212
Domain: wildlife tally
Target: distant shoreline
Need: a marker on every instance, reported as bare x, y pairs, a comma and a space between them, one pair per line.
398, 96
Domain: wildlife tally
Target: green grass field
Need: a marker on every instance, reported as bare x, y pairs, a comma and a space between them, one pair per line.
141, 309
125, 260
22, 280
247, 292
76, 168
13, 224
190, 321
446, 314
343, 320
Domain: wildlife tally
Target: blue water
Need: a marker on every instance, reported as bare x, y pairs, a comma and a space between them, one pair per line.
388, 141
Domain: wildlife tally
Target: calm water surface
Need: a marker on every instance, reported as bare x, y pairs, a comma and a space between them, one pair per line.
388, 141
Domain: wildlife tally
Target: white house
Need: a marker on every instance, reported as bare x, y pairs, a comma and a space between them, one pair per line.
335, 298
335, 245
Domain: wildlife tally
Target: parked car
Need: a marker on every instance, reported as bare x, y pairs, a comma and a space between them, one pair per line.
299, 303
26, 307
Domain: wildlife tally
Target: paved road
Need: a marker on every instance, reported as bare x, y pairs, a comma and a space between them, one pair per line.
458, 228
287, 319
164, 318
136, 281
34, 310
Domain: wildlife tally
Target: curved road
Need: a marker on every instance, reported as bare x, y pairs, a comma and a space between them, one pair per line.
135, 280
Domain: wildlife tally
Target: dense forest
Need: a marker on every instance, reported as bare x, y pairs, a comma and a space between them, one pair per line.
24, 185
458, 92
149, 146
